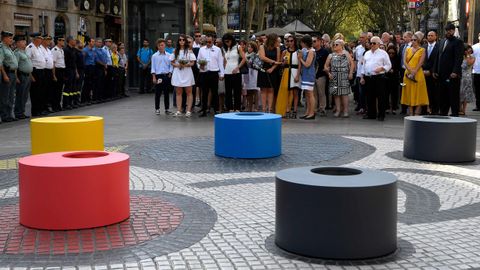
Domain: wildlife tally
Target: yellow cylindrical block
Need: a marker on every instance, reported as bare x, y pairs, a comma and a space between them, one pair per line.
66, 133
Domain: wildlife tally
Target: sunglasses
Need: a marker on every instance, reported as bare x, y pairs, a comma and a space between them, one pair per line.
198, 35
290, 40
336, 45
373, 43
181, 39
414, 39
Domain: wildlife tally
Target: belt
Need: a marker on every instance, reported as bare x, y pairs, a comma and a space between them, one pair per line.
8, 69
375, 76
23, 73
163, 74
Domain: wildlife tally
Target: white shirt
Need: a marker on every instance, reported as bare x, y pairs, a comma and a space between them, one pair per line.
476, 54
373, 60
196, 45
233, 59
48, 57
36, 55
162, 63
359, 51
214, 58
58, 57
109, 54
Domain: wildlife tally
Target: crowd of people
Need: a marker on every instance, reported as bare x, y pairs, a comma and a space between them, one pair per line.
58, 74
384, 72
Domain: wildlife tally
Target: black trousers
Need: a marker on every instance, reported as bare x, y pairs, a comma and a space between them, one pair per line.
99, 83
433, 95
78, 85
210, 83
69, 92
476, 85
49, 86
233, 85
38, 93
392, 92
109, 91
160, 88
57, 88
376, 88
145, 80
449, 95
88, 84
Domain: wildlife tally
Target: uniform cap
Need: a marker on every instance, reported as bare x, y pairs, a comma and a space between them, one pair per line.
7, 34
36, 35
47, 37
19, 38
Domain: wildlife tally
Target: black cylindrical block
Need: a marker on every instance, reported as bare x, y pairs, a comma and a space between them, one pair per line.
336, 213
440, 138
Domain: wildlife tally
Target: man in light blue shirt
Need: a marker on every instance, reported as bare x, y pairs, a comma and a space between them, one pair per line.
161, 74
100, 71
144, 57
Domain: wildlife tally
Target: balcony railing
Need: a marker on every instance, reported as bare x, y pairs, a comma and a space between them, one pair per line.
62, 4
25, 2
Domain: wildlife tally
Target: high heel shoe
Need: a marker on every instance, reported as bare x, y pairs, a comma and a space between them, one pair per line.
309, 117
293, 115
303, 117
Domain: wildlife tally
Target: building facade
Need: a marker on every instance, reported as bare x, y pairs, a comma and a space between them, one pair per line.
95, 18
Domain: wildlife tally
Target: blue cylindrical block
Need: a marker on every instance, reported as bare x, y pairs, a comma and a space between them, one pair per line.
248, 135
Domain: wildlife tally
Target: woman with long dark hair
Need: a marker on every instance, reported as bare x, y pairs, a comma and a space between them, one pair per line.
268, 76
234, 60
182, 77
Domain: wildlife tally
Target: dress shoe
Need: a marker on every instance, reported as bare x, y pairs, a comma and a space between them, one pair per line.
202, 115
10, 119
381, 119
476, 110
368, 117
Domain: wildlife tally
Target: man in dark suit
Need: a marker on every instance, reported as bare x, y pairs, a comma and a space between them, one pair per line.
432, 54
448, 70
407, 43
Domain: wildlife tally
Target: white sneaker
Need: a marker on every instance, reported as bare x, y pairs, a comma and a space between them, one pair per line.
157, 112
188, 114
178, 113
337, 114
345, 115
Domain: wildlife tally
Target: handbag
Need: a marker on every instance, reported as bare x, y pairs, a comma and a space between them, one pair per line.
244, 68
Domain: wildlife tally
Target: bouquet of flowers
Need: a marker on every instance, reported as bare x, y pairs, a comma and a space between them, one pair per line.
202, 62
183, 61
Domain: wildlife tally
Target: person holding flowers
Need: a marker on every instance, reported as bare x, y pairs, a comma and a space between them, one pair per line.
182, 77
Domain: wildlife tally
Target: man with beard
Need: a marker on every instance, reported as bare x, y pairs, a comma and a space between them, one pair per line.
448, 71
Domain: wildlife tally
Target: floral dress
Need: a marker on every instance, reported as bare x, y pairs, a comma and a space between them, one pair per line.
466, 85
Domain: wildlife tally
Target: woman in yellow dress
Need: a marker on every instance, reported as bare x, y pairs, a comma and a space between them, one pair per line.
414, 93
290, 83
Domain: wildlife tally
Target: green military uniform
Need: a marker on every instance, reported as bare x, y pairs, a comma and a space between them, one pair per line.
7, 89
25, 68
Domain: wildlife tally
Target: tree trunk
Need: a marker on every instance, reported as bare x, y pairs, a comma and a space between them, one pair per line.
221, 21
251, 4
262, 6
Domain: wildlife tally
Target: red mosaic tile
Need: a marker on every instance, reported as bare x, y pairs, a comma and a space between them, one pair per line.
150, 217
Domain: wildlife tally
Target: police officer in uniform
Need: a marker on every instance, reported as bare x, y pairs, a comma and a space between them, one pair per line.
70, 74
58, 73
89, 89
24, 73
101, 59
9, 64
48, 72
109, 89
37, 89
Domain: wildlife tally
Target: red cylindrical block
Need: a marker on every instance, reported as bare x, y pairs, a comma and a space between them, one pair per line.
74, 190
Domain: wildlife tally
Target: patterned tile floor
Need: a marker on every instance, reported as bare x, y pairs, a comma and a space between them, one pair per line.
199, 211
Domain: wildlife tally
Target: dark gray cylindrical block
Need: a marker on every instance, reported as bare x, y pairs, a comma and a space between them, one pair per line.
440, 138
336, 213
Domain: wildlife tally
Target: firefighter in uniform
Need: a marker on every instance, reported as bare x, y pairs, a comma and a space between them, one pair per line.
37, 89
58, 73
9, 65
69, 92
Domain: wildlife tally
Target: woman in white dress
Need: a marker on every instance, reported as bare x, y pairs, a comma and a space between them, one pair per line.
182, 77
250, 79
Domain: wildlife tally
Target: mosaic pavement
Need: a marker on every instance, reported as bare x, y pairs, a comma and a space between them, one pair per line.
193, 210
